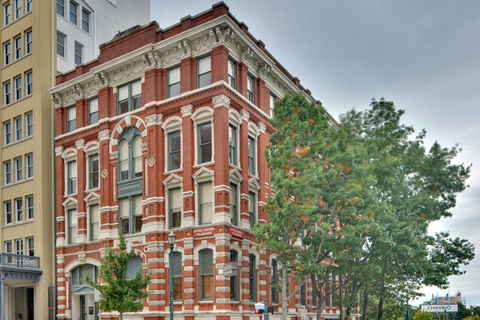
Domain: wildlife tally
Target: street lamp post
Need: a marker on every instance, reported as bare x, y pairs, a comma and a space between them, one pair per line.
171, 240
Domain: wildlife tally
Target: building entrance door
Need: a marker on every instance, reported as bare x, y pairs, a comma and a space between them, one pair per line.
30, 304
83, 308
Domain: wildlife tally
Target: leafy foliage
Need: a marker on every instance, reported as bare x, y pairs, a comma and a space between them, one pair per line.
118, 293
423, 315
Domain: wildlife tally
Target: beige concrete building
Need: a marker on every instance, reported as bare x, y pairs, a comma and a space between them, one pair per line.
29, 32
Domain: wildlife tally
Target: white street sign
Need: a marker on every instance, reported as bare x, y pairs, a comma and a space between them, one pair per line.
440, 308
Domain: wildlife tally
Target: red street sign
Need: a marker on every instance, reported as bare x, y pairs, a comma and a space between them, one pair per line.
237, 233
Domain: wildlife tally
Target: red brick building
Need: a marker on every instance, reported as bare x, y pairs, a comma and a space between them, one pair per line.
166, 130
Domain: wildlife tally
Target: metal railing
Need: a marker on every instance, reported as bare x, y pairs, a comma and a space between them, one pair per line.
19, 261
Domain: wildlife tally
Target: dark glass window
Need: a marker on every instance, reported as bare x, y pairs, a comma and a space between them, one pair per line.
205, 142
129, 96
175, 207
174, 150
174, 81
206, 274
232, 144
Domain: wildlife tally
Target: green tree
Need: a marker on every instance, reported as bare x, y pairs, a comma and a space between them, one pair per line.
423, 315
317, 175
117, 293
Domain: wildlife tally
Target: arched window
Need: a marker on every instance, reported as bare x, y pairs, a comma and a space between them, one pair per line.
78, 276
134, 266
130, 154
274, 280
252, 278
234, 279
177, 276
206, 274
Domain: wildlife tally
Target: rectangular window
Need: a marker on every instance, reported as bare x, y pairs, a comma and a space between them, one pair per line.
18, 169
17, 46
251, 155
28, 83
206, 274
7, 14
205, 142
94, 222
204, 73
131, 214
138, 213
273, 98
129, 96
174, 151
19, 247
7, 206
174, 81
61, 44
29, 123
94, 171
7, 54
29, 6
61, 7
232, 73
7, 132
177, 276
18, 88
30, 206
72, 226
28, 42
251, 88
233, 204
30, 247
29, 165
86, 20
18, 129
252, 279
19, 210
92, 111
18, 8
71, 177
252, 209
232, 144
124, 215
206, 202
71, 118
7, 169
7, 92
73, 12
303, 297
8, 249
274, 280
78, 53
175, 207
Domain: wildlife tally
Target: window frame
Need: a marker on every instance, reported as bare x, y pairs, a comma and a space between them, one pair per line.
78, 53
252, 276
131, 157
200, 76
252, 209
7, 92
30, 246
28, 83
177, 278
93, 223
86, 22
29, 123
18, 128
202, 204
28, 5
234, 216
7, 132
172, 153
8, 213
201, 145
7, 172
173, 85
71, 121
202, 274
71, 228
18, 169
17, 8
251, 88
28, 41
92, 174
19, 248
29, 165
273, 99
130, 97
274, 293
90, 113
71, 180
61, 4
7, 53
233, 144
18, 210
234, 279
132, 216
30, 200
61, 45
18, 87
232, 78
17, 47
73, 16
171, 209
7, 14
252, 155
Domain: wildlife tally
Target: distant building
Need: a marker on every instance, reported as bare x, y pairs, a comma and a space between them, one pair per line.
166, 132
32, 54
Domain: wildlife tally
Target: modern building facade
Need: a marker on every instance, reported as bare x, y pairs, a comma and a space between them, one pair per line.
165, 132
29, 65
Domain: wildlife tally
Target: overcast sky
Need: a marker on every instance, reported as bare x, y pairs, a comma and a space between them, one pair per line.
422, 55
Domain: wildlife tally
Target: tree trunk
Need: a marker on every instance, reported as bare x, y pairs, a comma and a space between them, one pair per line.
284, 292
121, 315
380, 303
365, 303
